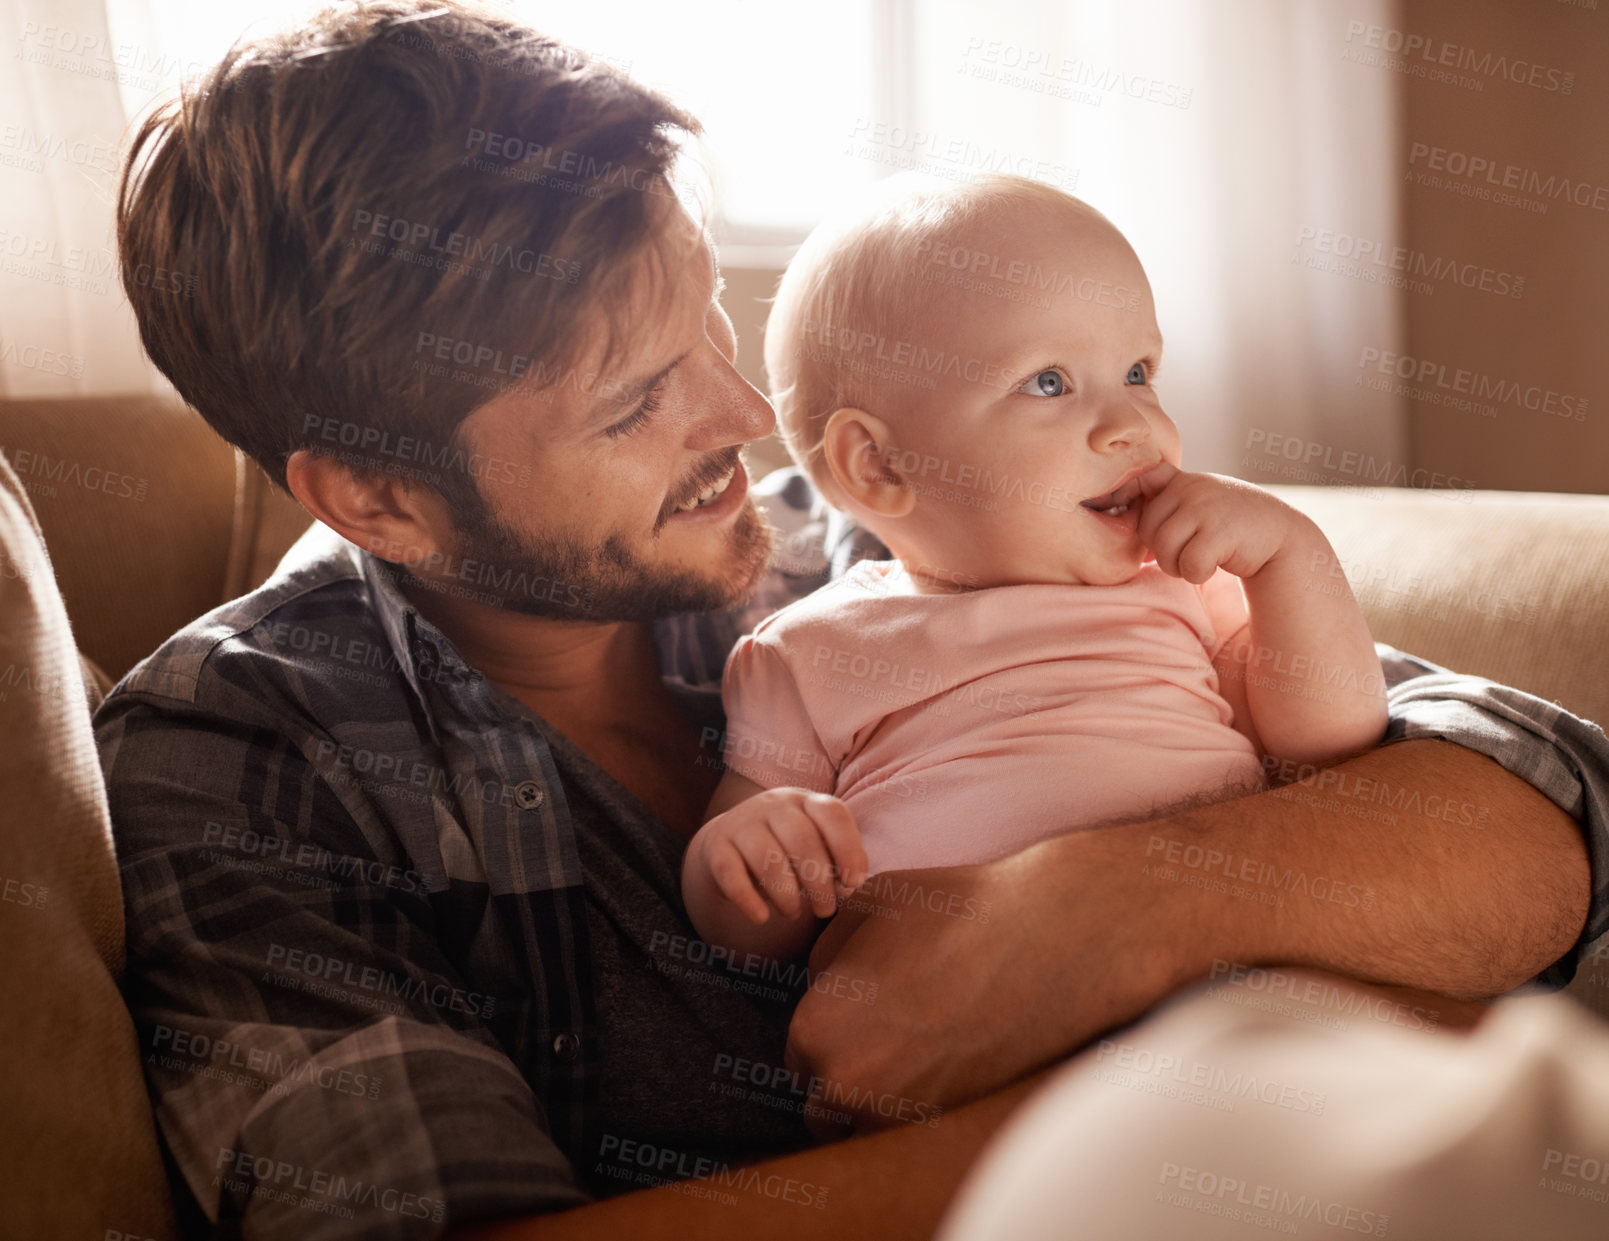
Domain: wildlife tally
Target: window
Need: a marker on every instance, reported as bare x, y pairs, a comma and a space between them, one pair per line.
780, 89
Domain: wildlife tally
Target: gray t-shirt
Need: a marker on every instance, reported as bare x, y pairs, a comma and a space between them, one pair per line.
675, 1019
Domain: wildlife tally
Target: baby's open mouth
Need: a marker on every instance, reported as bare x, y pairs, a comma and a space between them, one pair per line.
1114, 503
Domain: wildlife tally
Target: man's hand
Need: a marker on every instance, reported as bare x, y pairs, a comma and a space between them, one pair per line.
1195, 523
984, 974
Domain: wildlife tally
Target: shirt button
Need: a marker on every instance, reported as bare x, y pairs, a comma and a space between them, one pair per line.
529, 796
566, 1046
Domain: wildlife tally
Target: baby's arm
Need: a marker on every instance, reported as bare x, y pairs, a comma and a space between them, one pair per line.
1305, 665
767, 865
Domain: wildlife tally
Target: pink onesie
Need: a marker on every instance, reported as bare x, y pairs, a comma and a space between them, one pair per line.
964, 727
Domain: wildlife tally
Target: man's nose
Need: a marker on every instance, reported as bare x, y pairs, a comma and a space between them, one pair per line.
1119, 425
733, 412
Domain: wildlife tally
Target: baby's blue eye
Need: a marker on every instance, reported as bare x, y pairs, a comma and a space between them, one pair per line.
1046, 383
1136, 374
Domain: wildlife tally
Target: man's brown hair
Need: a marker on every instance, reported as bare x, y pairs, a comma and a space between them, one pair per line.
348, 236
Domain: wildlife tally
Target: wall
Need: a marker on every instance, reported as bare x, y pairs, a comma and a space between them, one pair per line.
747, 301
1548, 345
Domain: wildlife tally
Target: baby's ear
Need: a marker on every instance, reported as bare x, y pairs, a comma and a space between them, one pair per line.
860, 452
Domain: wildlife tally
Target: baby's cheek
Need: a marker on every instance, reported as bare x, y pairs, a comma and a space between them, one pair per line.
1168, 441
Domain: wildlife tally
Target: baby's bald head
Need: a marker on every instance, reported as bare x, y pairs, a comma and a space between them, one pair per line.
851, 325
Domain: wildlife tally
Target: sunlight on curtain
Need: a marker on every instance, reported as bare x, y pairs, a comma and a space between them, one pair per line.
64, 324
777, 87
1211, 133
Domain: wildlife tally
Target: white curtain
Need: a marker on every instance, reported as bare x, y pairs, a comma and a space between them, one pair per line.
65, 326
1211, 132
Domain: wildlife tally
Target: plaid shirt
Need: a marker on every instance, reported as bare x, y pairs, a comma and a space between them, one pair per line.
357, 943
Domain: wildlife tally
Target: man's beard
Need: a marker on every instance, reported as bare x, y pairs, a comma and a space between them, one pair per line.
606, 581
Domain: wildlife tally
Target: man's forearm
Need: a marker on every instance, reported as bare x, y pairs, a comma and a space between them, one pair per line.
890, 1185
1421, 864
1092, 929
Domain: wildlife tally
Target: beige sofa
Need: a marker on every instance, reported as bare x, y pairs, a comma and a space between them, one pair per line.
150, 520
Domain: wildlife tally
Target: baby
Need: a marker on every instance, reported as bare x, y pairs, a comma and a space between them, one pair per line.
1074, 630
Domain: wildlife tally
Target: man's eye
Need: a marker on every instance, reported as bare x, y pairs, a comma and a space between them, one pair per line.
1137, 374
634, 421
1046, 383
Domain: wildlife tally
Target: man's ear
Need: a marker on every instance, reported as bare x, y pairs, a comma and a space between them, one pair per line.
860, 452
397, 521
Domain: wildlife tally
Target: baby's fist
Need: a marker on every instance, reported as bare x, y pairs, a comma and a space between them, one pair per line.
785, 849
1195, 523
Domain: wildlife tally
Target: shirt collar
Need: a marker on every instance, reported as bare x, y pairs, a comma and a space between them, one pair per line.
422, 652
848, 543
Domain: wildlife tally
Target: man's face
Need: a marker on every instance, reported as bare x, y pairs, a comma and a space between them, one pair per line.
601, 529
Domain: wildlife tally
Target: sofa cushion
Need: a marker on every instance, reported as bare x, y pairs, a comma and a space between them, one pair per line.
1512, 586
152, 520
136, 499
78, 1149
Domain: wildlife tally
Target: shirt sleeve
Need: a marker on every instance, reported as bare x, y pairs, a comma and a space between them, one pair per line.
770, 737
319, 1066
1225, 601
1564, 757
